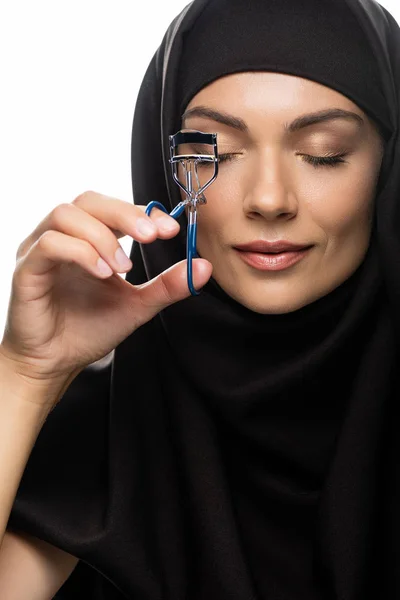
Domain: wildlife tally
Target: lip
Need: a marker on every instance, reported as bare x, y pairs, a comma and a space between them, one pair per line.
272, 262
277, 246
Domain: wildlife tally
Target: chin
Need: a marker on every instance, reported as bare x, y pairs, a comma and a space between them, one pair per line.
271, 310
259, 305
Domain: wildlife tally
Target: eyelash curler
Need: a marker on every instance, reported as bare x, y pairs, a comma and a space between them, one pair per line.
194, 197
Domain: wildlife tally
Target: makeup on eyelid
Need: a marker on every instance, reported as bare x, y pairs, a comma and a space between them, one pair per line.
327, 160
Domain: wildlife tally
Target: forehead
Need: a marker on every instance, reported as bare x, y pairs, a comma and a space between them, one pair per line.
277, 94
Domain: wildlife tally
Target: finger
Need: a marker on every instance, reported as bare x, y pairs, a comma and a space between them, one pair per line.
77, 223
53, 248
171, 286
163, 221
108, 213
113, 217
124, 216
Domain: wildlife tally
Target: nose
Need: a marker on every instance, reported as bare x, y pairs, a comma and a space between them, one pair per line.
269, 192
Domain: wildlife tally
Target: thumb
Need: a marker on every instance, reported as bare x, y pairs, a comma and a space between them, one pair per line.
171, 286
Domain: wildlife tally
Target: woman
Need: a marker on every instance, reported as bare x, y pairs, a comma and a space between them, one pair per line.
240, 444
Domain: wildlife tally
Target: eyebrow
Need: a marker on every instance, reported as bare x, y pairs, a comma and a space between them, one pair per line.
305, 120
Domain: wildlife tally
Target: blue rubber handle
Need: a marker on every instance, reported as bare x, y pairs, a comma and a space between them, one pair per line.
191, 239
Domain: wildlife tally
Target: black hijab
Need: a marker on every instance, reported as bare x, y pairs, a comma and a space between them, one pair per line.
219, 453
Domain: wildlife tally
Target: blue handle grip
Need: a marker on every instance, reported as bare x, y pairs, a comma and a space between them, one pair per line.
191, 239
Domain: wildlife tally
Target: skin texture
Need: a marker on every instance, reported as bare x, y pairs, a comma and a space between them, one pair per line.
268, 191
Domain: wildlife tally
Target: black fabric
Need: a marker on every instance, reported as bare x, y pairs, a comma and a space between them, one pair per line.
318, 39
223, 454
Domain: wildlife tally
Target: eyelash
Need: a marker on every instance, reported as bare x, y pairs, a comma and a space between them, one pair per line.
324, 161
315, 161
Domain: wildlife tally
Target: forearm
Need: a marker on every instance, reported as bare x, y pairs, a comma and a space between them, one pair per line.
24, 408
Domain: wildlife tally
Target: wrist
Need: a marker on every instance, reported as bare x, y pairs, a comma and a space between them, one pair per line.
17, 385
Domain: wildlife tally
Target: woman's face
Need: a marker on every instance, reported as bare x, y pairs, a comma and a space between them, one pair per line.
266, 190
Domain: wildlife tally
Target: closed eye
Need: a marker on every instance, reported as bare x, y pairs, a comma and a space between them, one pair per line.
315, 161
225, 157
324, 161
221, 158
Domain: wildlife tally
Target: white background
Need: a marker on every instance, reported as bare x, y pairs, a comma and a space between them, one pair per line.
70, 72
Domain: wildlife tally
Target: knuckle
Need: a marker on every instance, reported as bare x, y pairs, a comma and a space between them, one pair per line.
82, 198
58, 213
165, 291
46, 240
99, 236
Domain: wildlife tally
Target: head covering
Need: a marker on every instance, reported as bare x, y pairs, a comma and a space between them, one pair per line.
219, 453
318, 39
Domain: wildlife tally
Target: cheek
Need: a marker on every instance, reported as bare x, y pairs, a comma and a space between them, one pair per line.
341, 203
211, 221
222, 203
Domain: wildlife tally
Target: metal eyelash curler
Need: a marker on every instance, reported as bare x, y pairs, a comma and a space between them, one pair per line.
190, 162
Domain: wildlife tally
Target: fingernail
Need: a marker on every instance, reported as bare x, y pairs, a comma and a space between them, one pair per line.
103, 267
145, 227
122, 259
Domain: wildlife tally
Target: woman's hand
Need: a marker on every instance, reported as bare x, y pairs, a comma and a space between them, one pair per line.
64, 311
